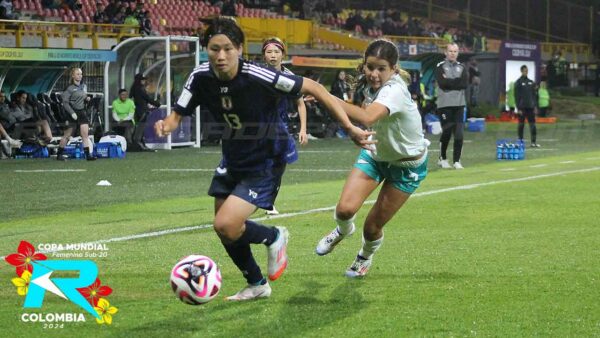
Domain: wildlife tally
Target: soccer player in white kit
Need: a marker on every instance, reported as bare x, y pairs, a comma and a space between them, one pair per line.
398, 160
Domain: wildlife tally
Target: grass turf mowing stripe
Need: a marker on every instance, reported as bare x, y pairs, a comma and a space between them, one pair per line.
311, 211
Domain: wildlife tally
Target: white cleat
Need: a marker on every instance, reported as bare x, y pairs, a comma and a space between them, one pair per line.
444, 164
457, 165
252, 292
277, 254
359, 268
327, 243
272, 211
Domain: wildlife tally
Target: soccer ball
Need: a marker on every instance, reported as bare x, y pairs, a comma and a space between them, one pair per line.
196, 279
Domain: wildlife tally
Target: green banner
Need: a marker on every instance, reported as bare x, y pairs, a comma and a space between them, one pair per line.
36, 54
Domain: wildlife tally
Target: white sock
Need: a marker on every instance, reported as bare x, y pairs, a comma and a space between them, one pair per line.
369, 247
344, 227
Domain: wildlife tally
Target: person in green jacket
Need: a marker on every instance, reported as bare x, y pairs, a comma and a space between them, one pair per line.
543, 99
510, 96
123, 109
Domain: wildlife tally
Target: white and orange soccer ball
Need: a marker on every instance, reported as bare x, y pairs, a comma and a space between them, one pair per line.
196, 279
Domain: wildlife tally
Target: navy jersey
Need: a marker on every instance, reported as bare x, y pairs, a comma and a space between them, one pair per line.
246, 110
287, 105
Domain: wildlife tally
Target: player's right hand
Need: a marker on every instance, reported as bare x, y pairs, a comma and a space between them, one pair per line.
160, 129
362, 137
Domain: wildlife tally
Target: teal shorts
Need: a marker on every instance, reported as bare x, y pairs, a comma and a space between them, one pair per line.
406, 179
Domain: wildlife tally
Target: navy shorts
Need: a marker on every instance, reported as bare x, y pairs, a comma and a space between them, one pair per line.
256, 187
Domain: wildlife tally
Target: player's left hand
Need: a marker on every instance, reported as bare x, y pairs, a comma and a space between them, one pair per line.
361, 137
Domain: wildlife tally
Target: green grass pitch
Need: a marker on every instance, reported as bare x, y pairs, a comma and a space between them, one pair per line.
501, 248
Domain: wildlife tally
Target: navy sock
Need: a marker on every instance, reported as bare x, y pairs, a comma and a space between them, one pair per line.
259, 234
241, 255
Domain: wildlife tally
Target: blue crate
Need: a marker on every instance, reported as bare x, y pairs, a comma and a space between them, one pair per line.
74, 150
508, 149
476, 124
109, 150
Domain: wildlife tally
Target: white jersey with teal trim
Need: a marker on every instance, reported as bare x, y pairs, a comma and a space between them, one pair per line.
400, 134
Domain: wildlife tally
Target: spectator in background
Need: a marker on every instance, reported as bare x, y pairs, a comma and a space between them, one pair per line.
118, 19
543, 99
3, 15
142, 101
228, 8
339, 87
510, 97
74, 99
5, 118
25, 112
145, 24
452, 79
474, 82
131, 20
114, 7
525, 98
100, 15
123, 112
7, 13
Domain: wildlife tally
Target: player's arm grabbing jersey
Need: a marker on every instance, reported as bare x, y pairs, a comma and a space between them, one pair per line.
399, 133
246, 111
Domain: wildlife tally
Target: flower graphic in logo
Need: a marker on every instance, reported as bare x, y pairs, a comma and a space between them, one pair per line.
22, 283
95, 291
105, 311
23, 258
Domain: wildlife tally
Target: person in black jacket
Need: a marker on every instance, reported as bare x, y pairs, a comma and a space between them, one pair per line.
142, 100
339, 87
526, 99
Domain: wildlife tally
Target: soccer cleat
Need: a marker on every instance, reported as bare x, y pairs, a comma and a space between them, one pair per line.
444, 164
273, 211
327, 243
359, 268
457, 165
535, 145
277, 255
91, 157
252, 292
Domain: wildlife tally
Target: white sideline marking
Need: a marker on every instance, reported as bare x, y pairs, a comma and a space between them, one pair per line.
508, 169
49, 170
550, 140
291, 169
312, 211
538, 165
592, 158
566, 162
300, 151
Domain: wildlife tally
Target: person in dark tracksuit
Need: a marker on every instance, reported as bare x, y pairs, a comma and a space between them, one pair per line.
452, 80
74, 99
526, 99
142, 100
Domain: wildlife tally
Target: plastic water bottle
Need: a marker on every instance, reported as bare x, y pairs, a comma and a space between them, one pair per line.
499, 149
77, 152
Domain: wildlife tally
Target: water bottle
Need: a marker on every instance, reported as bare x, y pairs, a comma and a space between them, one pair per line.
499, 149
77, 152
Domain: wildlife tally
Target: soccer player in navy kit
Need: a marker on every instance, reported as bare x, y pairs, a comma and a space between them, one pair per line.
273, 53
242, 97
